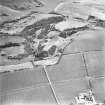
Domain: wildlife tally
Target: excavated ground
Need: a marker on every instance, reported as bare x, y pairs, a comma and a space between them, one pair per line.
50, 58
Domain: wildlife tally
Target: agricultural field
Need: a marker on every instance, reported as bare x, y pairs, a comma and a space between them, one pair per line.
52, 52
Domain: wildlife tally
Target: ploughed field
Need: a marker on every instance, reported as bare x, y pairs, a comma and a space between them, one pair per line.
43, 40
